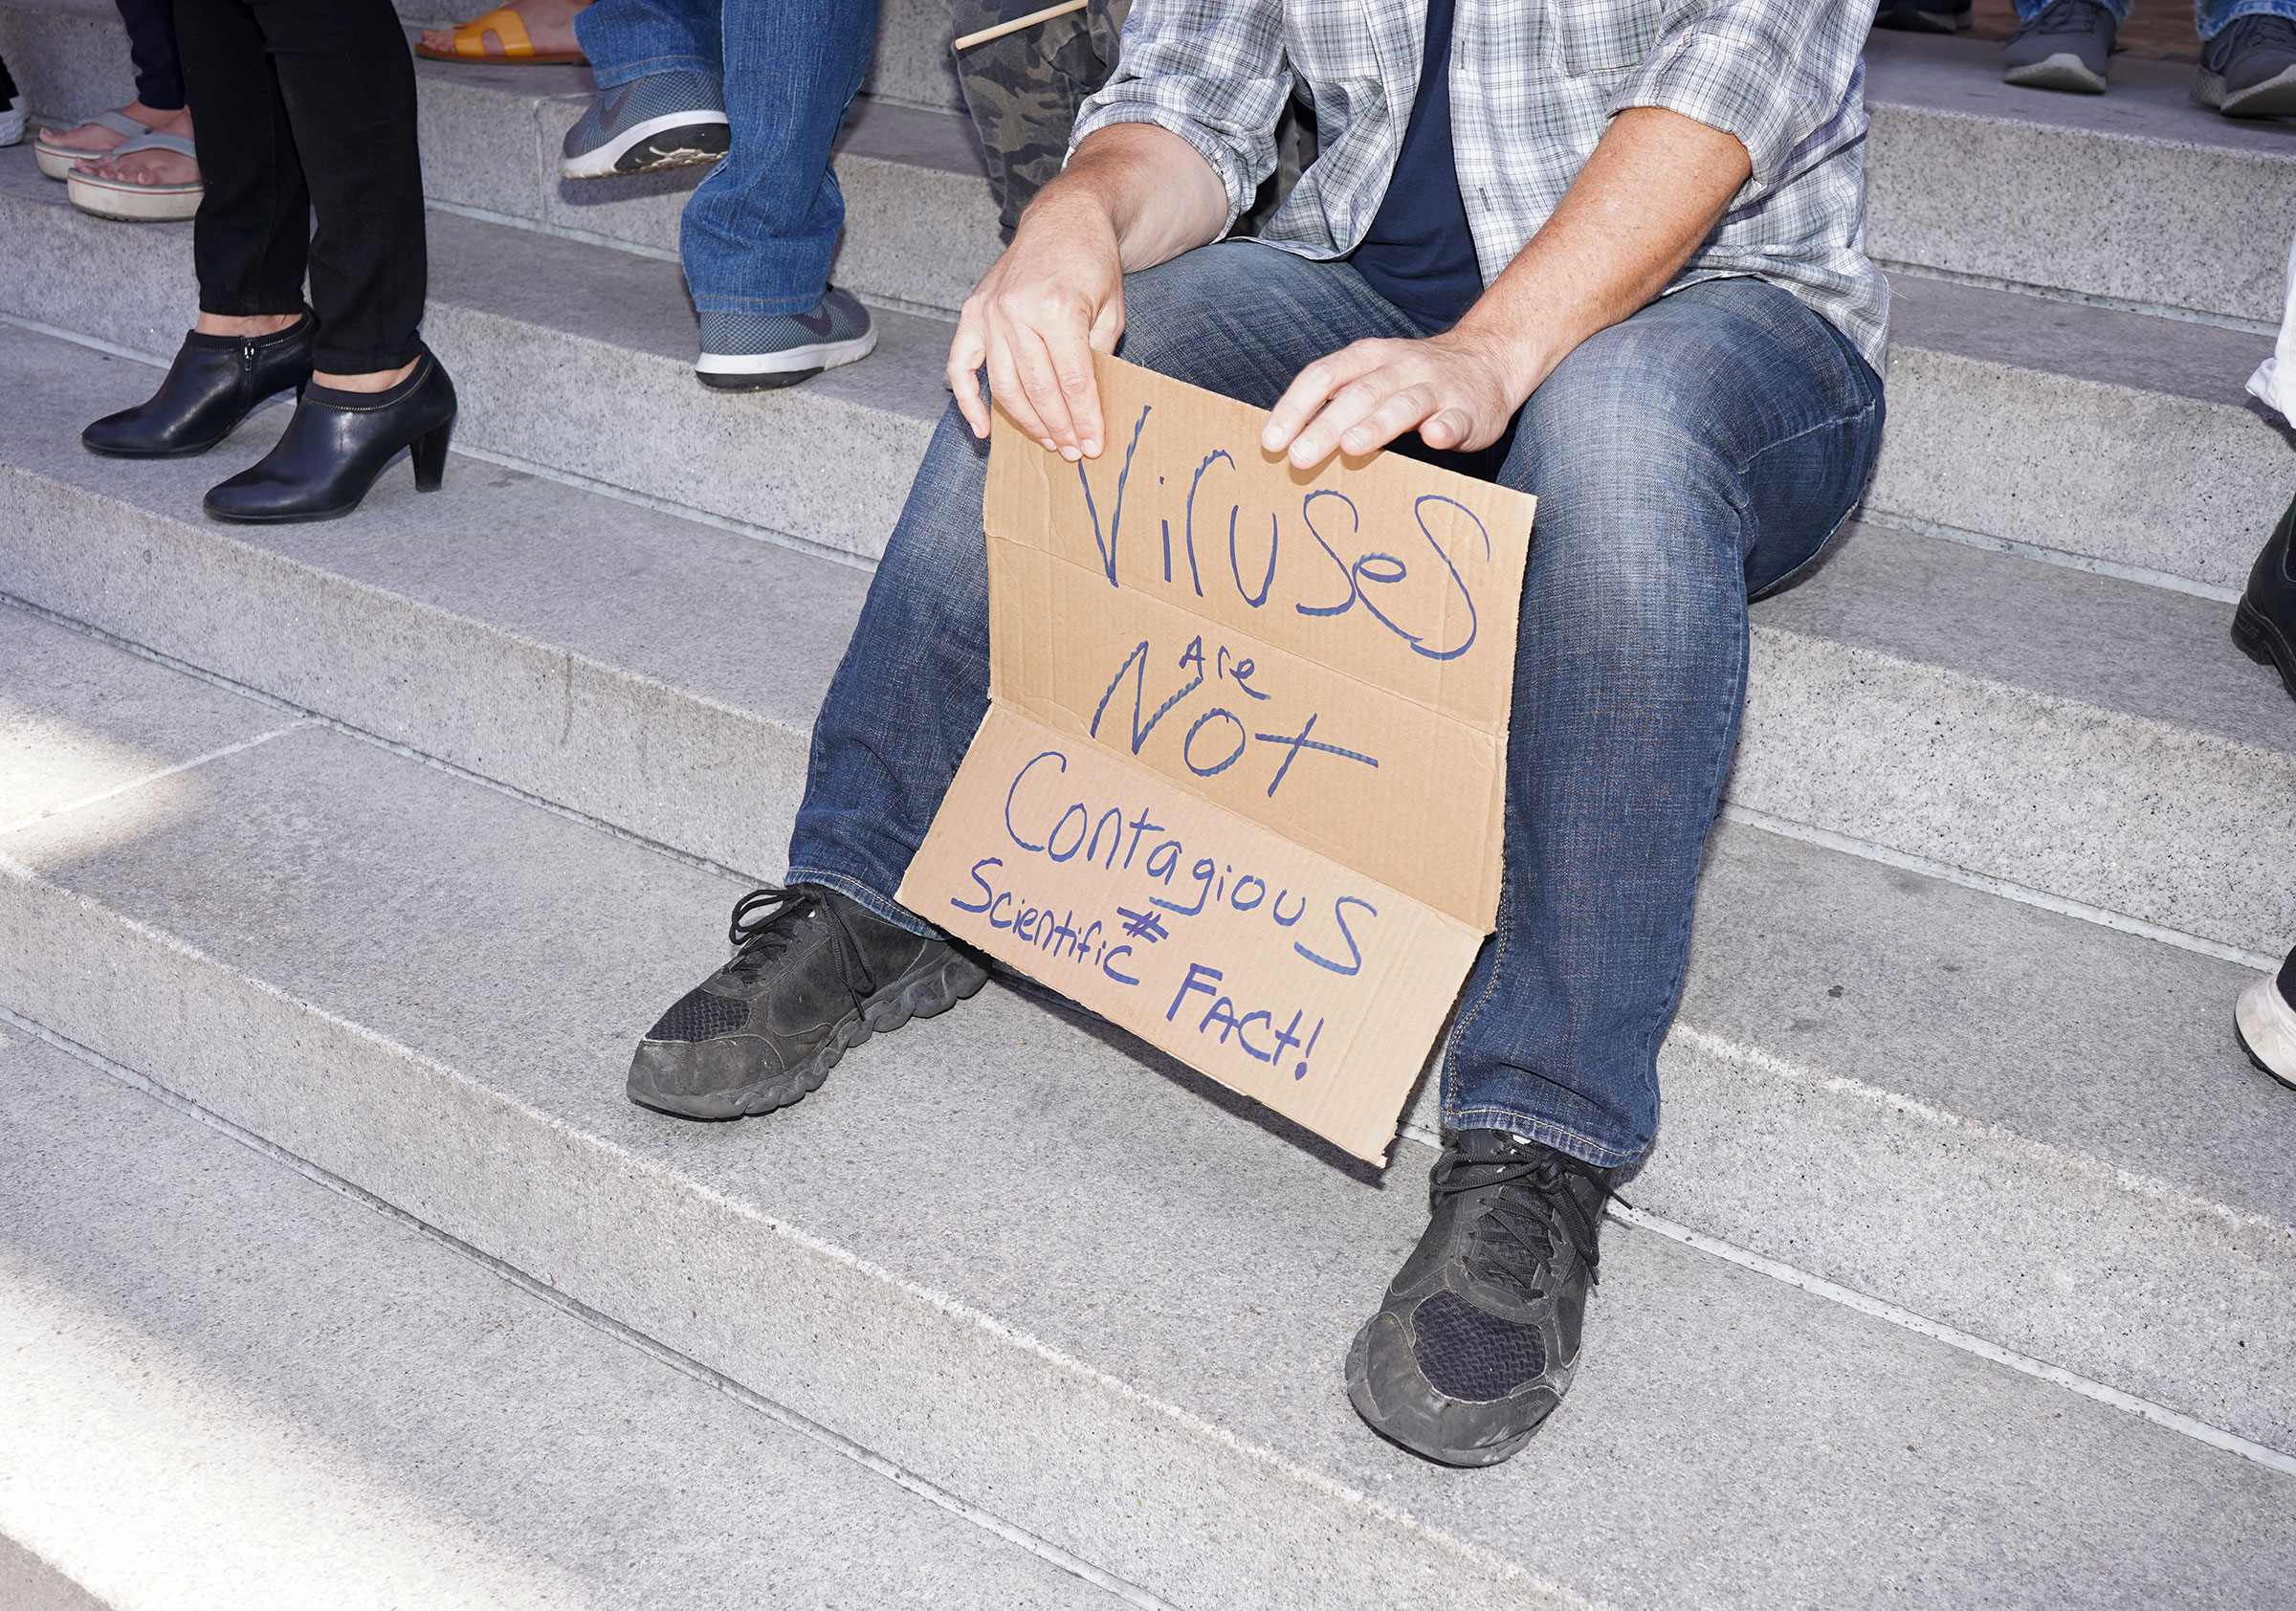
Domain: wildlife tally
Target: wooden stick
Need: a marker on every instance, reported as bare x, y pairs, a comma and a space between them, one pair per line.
1017, 24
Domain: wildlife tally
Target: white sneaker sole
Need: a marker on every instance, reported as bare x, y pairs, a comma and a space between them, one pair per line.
601, 161
2064, 71
2274, 98
2266, 1026
133, 204
826, 355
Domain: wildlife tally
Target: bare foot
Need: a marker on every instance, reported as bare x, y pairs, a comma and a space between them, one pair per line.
143, 168
549, 24
95, 140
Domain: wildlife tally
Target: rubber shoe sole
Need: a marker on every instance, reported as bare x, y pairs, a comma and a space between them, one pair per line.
2261, 640
927, 991
2266, 1026
673, 139
2274, 98
133, 204
2064, 71
768, 372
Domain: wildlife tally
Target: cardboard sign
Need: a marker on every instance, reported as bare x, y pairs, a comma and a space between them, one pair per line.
1241, 781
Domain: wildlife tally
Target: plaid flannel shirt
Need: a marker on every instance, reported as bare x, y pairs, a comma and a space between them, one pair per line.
1534, 84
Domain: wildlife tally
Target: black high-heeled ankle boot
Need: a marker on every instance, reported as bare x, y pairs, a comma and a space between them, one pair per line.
215, 382
337, 443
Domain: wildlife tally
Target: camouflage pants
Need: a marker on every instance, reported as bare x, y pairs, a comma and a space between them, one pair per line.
1023, 91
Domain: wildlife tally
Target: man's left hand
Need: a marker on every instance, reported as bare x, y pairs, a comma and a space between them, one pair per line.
1458, 391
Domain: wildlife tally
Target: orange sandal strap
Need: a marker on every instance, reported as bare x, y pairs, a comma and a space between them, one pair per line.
504, 24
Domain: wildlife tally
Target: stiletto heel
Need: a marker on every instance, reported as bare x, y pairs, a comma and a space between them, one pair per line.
430, 454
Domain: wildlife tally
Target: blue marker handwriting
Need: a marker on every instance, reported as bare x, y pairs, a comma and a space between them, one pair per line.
1218, 737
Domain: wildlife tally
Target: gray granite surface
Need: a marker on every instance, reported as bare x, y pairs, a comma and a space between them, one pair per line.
1098, 1303
320, 1400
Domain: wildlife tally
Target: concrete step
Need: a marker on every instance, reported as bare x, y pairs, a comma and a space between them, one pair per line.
1034, 1265
1813, 1020
606, 335
912, 65
2138, 196
2112, 439
233, 1389
2119, 441
2082, 736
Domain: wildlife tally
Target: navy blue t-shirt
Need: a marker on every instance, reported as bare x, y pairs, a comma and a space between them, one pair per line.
1419, 254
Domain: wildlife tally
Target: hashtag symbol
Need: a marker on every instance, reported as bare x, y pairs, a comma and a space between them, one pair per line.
1141, 925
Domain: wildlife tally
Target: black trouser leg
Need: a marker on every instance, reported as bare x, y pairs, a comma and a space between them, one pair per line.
254, 227
327, 129
151, 49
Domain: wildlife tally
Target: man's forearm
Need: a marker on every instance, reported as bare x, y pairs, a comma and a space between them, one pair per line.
1653, 190
1157, 194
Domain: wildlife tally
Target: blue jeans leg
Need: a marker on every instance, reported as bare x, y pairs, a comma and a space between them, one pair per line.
1700, 451
628, 39
758, 234
1239, 318
2211, 17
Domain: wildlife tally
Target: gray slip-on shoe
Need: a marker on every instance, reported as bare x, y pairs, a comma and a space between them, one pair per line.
2249, 69
2065, 47
755, 352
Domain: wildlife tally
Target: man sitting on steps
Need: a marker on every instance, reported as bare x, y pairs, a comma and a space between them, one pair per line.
1613, 249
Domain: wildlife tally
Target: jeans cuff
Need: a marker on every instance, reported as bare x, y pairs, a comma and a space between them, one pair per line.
1585, 1149
861, 895
764, 307
614, 77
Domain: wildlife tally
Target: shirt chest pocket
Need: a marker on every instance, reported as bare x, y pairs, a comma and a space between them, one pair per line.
1602, 37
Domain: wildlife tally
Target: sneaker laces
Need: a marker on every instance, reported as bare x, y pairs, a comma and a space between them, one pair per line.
1515, 1239
766, 922
2259, 29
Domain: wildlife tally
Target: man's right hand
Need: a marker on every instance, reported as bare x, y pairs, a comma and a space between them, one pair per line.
1051, 301
1131, 196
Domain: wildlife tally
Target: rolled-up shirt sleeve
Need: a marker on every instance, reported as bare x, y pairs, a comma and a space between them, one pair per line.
1774, 72
1214, 73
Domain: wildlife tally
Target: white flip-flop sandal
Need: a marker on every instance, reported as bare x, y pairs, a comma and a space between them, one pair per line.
103, 197
55, 160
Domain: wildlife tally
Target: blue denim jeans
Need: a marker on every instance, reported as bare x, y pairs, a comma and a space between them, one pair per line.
759, 230
1699, 452
2210, 17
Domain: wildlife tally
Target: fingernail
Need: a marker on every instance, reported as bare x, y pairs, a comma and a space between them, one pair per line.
1070, 454
1092, 446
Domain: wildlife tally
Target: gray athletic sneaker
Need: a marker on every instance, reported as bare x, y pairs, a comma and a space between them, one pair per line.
2249, 69
751, 352
812, 976
664, 119
2065, 47
1478, 1337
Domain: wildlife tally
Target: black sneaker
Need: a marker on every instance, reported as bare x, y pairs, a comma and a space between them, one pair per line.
813, 974
2265, 1021
1478, 1336
2263, 623
2065, 47
2249, 69
1924, 16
